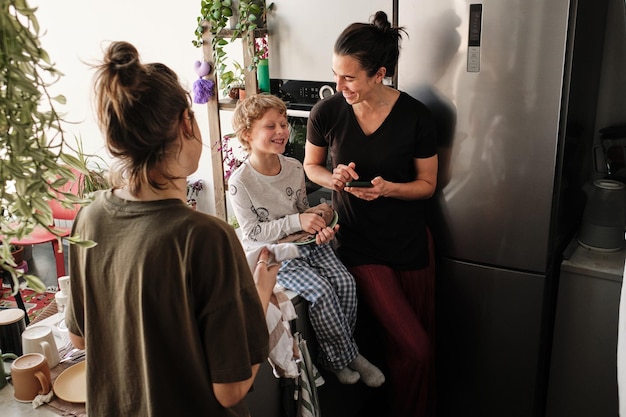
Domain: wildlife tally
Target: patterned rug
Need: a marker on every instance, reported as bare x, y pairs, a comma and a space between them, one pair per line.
35, 303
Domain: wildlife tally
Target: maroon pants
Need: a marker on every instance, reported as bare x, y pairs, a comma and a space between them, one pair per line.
403, 305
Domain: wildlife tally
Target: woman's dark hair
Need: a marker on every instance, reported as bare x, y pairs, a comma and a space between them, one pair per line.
139, 108
374, 44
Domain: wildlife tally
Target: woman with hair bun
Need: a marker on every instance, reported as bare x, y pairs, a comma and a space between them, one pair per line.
385, 139
165, 305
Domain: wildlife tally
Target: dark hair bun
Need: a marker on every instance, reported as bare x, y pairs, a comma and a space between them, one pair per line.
122, 58
381, 21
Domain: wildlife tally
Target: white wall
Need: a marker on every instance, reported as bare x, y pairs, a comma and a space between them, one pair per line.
302, 34
75, 33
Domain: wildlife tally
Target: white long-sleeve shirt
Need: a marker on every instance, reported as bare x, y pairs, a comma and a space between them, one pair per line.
268, 207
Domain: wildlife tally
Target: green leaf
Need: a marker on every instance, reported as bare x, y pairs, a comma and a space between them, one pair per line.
73, 161
60, 99
76, 240
35, 283
255, 9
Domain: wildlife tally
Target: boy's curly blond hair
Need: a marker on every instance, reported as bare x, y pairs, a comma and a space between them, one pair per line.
249, 110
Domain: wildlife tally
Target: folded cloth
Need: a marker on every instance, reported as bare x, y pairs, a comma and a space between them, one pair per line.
280, 311
42, 399
323, 210
282, 347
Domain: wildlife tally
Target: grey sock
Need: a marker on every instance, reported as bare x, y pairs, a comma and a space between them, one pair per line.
370, 374
346, 375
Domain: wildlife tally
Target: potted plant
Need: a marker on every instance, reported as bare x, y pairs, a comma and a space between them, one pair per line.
233, 81
94, 178
33, 150
215, 17
17, 254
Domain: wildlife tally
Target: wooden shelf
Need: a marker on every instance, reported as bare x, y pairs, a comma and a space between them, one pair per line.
227, 104
228, 33
216, 104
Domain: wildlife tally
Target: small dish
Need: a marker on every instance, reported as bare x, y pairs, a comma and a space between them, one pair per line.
311, 239
71, 384
306, 241
335, 219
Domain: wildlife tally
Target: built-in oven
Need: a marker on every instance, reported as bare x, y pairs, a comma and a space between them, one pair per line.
300, 96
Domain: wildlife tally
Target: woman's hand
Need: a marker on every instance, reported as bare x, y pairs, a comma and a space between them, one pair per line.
342, 174
377, 190
421, 188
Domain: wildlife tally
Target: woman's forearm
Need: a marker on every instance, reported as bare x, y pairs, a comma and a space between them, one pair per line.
319, 174
315, 165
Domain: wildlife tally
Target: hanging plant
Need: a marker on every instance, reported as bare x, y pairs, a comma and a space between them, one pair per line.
215, 16
33, 159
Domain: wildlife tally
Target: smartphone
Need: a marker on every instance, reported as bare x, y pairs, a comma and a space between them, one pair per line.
363, 184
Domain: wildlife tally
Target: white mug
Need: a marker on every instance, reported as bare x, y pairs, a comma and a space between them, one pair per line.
64, 284
40, 339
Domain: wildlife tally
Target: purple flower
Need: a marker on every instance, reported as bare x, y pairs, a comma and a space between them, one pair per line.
262, 47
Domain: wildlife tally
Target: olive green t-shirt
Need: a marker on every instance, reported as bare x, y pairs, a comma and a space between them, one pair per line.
167, 305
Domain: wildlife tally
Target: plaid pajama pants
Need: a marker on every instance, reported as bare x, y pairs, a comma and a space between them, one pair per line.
319, 277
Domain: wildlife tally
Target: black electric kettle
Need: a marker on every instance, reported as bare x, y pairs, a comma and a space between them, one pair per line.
603, 222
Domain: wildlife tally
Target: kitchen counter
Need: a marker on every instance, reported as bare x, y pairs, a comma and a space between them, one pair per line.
607, 265
583, 369
13, 408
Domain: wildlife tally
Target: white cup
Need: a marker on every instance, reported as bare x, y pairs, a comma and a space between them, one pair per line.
63, 296
62, 300
40, 339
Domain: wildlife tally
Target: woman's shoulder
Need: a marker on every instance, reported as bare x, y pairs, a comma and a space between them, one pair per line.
172, 216
196, 223
408, 101
330, 106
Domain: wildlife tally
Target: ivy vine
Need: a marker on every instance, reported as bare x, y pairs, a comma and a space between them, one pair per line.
34, 162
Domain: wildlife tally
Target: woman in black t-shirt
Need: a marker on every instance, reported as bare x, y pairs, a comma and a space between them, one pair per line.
385, 138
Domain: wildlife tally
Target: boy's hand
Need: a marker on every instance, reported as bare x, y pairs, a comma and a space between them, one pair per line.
326, 235
311, 222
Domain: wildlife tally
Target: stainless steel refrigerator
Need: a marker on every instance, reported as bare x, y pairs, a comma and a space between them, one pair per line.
515, 88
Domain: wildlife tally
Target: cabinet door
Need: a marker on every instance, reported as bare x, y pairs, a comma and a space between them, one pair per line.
583, 367
303, 32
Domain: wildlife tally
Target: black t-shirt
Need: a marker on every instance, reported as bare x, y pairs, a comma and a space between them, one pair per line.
385, 231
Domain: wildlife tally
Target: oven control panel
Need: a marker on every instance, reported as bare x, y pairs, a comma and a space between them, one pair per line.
301, 94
